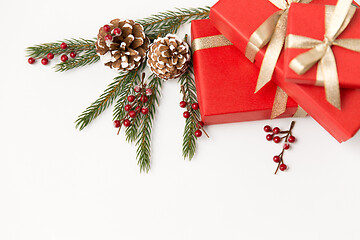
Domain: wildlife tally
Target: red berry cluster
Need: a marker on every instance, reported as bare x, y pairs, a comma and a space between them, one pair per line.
136, 105
50, 56
190, 108
277, 136
111, 34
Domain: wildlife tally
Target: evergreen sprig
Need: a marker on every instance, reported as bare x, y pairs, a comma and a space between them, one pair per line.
87, 58
143, 143
127, 87
77, 45
105, 99
166, 22
189, 139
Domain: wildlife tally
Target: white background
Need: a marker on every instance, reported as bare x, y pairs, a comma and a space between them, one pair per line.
57, 183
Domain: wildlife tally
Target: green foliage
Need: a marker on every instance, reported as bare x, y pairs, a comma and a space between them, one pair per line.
77, 45
143, 143
89, 57
84, 48
106, 99
189, 139
166, 22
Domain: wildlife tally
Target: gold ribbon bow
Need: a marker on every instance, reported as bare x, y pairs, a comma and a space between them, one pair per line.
272, 32
336, 21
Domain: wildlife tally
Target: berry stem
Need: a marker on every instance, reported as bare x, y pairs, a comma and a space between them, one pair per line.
288, 133
190, 110
137, 103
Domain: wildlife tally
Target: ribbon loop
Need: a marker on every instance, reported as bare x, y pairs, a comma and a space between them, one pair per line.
336, 21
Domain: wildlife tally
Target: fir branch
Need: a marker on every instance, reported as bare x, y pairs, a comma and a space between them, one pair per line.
143, 143
77, 45
119, 111
89, 57
105, 100
166, 22
189, 139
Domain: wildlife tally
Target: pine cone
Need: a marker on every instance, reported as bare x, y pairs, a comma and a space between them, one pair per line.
122, 44
168, 57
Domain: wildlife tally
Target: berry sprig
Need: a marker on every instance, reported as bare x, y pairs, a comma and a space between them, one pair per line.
190, 108
62, 50
136, 104
277, 136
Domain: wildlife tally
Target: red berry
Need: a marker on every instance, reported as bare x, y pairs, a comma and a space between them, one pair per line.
137, 88
44, 61
183, 104
108, 37
283, 167
198, 133
127, 107
200, 123
63, 45
31, 60
117, 31
276, 139
132, 114
73, 54
144, 99
117, 123
286, 146
269, 137
144, 110
149, 91
186, 114
64, 58
195, 106
126, 122
267, 128
106, 28
276, 130
291, 139
276, 159
137, 108
50, 55
131, 98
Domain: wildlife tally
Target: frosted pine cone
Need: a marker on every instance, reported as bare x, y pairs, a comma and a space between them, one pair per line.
122, 44
168, 57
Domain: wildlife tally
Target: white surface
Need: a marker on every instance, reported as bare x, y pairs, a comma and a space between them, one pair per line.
60, 184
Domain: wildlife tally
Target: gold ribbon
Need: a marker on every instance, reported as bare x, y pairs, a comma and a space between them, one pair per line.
272, 32
281, 97
336, 20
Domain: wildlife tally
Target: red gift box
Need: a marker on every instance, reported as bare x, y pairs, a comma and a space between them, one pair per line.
225, 82
314, 27
237, 20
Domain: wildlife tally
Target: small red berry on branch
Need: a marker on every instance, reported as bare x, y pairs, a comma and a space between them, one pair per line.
274, 135
198, 133
183, 104
195, 106
106, 28
73, 54
44, 61
63, 45
64, 58
131, 98
31, 60
190, 113
117, 123
186, 114
126, 123
50, 56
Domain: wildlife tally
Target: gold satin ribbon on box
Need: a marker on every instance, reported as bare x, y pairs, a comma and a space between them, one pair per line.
272, 32
336, 20
220, 41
